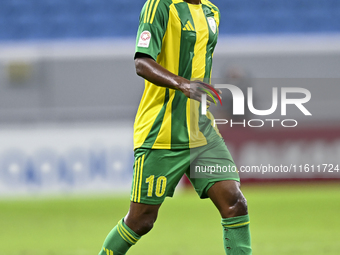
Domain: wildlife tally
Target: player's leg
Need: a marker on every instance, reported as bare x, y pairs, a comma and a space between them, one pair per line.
220, 183
232, 205
228, 198
130, 229
156, 174
141, 217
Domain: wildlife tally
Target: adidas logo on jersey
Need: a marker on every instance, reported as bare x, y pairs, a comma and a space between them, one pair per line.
188, 27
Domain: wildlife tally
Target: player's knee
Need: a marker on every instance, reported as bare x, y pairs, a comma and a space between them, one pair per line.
235, 205
237, 208
141, 223
141, 217
146, 225
241, 206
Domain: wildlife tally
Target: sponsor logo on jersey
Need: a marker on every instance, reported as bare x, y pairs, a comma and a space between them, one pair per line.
212, 24
144, 39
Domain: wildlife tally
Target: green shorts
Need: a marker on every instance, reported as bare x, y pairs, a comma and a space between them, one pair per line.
158, 171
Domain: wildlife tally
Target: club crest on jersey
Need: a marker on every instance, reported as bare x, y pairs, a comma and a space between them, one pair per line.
212, 24
144, 39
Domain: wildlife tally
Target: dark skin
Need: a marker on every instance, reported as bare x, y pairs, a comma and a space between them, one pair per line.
150, 70
226, 195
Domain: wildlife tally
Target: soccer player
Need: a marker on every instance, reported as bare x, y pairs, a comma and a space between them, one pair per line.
175, 44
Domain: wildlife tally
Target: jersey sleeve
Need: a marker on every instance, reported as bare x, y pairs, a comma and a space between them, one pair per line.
152, 26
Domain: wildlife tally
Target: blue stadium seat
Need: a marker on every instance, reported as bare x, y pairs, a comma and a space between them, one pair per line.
268, 5
238, 23
61, 19
317, 20
19, 28
281, 22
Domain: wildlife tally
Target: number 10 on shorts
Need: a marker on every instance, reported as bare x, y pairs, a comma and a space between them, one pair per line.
160, 185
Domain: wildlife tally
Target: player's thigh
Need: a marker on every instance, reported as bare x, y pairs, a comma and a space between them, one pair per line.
157, 173
213, 163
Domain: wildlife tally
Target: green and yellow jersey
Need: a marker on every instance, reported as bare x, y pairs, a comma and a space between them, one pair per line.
181, 37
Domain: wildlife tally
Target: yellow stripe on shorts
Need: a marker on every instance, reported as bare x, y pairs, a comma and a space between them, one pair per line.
134, 180
141, 178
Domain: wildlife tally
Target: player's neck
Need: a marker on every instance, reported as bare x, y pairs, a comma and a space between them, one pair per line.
193, 1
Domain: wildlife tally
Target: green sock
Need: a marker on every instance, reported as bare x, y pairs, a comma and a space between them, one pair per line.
119, 240
236, 235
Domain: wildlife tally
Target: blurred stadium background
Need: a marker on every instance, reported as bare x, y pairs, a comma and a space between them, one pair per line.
68, 96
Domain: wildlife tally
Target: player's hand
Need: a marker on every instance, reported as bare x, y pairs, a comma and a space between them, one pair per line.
196, 89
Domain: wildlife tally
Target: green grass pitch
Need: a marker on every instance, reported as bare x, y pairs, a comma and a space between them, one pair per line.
285, 219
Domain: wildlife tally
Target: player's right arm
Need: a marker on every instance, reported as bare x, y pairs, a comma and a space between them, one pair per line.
150, 70
152, 26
